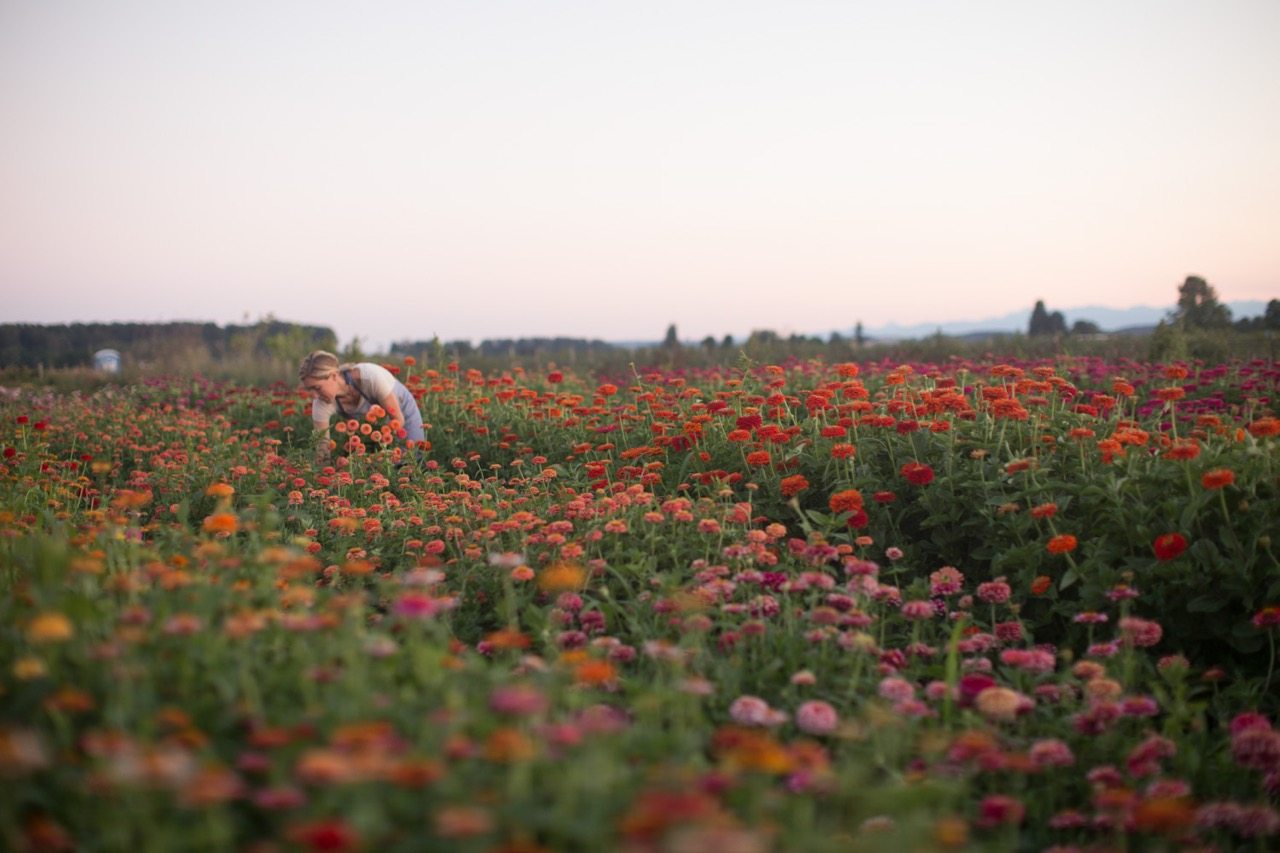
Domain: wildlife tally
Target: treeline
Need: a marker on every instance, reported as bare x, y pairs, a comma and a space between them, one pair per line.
177, 344
561, 347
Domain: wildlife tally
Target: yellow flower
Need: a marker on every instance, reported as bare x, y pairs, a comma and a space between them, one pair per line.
50, 628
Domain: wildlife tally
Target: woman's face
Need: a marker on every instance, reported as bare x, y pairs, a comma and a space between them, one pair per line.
325, 388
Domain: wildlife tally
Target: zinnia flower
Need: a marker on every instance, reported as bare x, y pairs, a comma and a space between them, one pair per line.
793, 485
917, 473
1169, 546
1001, 704
324, 835
220, 490
221, 522
1140, 632
817, 718
750, 711
848, 500
50, 628
1218, 478
559, 577
1063, 543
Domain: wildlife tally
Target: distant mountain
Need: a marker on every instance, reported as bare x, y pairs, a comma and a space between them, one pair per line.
1108, 319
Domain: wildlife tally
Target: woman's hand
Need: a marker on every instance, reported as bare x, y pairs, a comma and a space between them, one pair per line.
392, 407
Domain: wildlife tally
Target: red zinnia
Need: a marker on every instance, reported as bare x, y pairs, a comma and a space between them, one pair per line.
324, 835
1169, 546
1218, 478
917, 473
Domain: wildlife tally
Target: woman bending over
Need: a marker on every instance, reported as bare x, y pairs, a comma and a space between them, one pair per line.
351, 391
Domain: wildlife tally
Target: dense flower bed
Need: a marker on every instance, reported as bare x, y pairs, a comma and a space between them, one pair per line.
784, 607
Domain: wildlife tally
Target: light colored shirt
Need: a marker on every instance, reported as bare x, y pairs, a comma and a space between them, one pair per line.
373, 380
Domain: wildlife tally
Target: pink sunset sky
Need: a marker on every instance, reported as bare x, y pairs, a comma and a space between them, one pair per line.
399, 170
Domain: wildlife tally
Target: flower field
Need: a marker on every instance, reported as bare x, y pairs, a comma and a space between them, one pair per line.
766, 607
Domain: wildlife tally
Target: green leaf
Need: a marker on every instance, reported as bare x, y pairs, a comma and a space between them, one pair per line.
1206, 604
1068, 579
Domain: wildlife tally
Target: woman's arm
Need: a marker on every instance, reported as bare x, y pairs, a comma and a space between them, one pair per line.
392, 407
321, 412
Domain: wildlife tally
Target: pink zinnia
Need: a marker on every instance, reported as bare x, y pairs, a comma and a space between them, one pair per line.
1051, 752
517, 700
918, 610
995, 592
419, 605
817, 718
1140, 632
749, 711
896, 689
997, 810
947, 580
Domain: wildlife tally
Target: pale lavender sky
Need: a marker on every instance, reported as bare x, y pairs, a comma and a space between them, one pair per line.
480, 168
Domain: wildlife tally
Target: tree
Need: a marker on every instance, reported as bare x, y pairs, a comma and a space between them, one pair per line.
672, 340
1044, 323
1085, 327
1198, 306
859, 337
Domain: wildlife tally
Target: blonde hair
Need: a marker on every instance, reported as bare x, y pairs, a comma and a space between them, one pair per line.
318, 365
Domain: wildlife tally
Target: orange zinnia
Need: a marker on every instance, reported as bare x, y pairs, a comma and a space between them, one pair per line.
1263, 427
220, 490
848, 500
1063, 543
594, 672
221, 522
561, 577
50, 628
793, 485
1218, 478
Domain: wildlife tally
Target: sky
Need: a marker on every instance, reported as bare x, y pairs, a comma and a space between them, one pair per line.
487, 168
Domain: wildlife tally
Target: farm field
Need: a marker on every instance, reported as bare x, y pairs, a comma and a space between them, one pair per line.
804, 606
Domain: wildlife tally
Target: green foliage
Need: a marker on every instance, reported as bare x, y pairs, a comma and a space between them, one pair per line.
1198, 306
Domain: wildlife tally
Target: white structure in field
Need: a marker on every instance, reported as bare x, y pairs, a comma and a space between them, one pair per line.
107, 360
